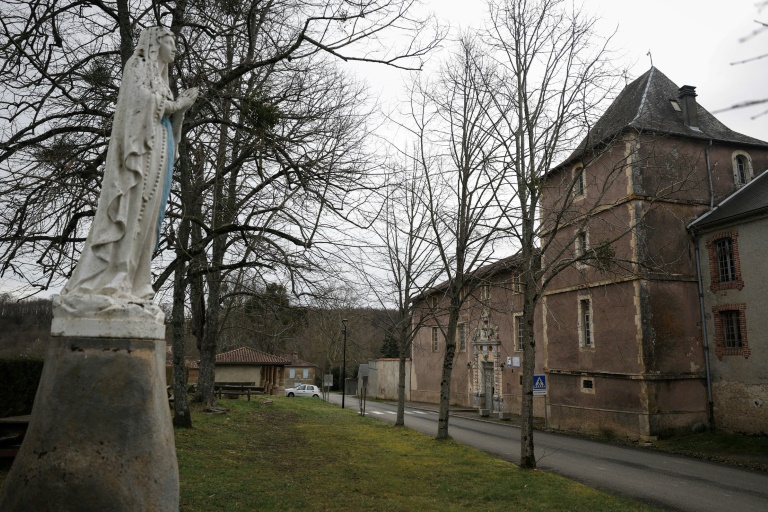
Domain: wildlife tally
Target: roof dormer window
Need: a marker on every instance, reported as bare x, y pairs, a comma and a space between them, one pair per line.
675, 105
742, 168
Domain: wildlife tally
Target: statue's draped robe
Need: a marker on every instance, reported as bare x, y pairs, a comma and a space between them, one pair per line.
116, 258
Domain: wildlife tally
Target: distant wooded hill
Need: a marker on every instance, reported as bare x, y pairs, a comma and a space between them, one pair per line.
314, 333
25, 326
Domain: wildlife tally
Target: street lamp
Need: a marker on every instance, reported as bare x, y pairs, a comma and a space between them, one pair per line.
344, 363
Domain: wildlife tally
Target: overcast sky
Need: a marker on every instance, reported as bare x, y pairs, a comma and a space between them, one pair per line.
693, 42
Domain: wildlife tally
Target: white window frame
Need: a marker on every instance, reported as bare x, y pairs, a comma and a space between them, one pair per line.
589, 390
579, 183
517, 324
586, 325
748, 171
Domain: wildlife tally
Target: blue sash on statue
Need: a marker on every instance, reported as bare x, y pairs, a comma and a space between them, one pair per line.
168, 177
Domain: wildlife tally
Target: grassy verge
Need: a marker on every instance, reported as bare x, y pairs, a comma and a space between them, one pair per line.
737, 449
306, 455
301, 454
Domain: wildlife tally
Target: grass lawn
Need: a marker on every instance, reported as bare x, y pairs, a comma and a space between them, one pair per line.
306, 455
303, 454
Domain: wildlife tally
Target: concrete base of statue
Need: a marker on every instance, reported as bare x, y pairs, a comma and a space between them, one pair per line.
100, 436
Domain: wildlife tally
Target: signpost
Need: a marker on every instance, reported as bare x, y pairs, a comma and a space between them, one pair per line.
540, 389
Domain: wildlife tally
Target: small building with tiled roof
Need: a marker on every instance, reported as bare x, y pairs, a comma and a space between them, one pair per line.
246, 364
731, 246
298, 371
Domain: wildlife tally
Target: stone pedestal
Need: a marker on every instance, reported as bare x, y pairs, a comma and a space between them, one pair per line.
100, 437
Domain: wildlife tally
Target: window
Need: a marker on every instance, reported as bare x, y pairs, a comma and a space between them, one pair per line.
742, 168
292, 373
578, 181
582, 243
517, 282
586, 336
485, 293
675, 105
731, 330
587, 385
519, 331
726, 268
305, 373
434, 339
724, 265
462, 333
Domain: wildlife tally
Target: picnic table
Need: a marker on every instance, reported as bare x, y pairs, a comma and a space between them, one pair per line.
237, 389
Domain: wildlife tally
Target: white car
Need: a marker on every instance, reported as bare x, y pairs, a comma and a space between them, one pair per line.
304, 390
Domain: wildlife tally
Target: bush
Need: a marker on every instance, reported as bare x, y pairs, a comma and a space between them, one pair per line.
18, 384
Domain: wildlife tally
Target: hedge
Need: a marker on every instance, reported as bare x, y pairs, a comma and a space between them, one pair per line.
19, 378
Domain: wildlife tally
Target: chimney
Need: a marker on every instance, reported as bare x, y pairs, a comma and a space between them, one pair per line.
687, 98
295, 355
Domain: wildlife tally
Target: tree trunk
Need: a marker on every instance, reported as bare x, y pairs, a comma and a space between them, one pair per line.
532, 266
445, 381
403, 345
181, 414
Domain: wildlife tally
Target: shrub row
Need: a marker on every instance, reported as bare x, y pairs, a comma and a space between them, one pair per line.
18, 384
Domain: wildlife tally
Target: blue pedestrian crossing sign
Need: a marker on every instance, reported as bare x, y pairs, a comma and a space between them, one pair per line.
539, 385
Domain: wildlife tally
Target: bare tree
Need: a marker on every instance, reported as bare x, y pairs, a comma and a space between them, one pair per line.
272, 147
402, 259
459, 158
557, 74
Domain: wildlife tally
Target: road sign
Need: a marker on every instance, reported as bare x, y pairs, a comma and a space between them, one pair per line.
539, 385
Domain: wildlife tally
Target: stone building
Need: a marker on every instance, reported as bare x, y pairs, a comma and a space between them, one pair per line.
618, 335
731, 246
487, 371
624, 351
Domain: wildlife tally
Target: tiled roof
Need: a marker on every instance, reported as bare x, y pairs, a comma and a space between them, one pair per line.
750, 199
295, 361
247, 355
644, 105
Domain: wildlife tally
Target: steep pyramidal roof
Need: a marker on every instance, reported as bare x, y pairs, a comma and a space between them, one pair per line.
646, 105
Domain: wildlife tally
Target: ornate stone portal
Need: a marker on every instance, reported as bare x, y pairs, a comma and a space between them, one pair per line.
486, 372
100, 436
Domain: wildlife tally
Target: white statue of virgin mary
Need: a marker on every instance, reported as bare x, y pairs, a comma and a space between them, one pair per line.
114, 268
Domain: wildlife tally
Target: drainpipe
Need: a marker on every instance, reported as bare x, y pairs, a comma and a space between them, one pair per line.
702, 311
709, 177
704, 334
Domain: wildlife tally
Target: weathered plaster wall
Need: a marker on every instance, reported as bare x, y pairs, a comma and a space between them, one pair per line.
237, 373
383, 378
739, 384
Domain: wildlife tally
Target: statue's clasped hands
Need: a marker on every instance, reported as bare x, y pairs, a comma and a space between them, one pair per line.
185, 100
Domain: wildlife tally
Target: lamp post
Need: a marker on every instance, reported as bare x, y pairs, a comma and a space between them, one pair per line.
344, 363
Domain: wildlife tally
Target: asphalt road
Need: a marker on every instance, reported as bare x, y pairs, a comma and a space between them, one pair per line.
670, 481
